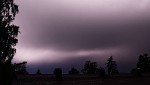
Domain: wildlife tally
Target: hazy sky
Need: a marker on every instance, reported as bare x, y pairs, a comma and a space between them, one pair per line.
66, 33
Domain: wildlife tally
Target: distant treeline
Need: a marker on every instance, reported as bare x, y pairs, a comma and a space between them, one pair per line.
90, 67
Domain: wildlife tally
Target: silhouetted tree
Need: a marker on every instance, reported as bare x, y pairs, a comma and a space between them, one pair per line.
74, 71
58, 73
8, 39
20, 68
144, 63
38, 72
89, 67
111, 66
101, 72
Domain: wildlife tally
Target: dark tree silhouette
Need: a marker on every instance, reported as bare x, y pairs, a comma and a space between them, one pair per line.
58, 73
38, 72
74, 71
111, 66
144, 63
89, 67
8, 39
101, 72
20, 68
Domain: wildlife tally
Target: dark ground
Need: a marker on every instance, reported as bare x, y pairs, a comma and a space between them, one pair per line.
82, 80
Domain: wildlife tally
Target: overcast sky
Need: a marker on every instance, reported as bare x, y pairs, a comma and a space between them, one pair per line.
66, 33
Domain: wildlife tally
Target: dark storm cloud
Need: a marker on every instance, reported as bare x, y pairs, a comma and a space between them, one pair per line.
88, 35
63, 28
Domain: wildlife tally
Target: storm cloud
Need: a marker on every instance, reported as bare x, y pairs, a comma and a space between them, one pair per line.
61, 30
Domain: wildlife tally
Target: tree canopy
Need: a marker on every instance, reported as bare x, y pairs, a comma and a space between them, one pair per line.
111, 66
89, 67
8, 39
8, 31
144, 63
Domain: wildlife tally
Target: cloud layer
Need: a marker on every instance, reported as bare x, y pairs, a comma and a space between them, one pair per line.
57, 30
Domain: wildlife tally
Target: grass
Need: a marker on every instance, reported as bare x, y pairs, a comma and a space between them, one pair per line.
82, 80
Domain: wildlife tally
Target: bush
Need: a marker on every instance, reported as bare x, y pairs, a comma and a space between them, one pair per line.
74, 71
58, 73
38, 72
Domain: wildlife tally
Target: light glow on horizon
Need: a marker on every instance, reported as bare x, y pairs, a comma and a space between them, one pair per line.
40, 56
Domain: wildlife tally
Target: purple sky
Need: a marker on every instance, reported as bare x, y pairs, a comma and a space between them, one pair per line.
66, 33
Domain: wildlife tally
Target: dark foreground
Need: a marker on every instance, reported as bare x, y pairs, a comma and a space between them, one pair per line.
82, 80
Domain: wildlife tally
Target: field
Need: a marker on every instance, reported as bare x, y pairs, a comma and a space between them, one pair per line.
82, 80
